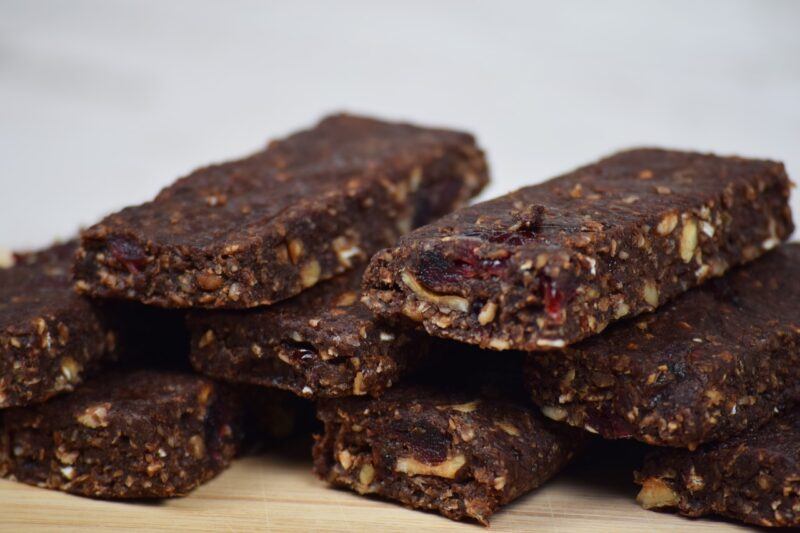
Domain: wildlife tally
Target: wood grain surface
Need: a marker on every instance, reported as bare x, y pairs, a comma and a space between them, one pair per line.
274, 492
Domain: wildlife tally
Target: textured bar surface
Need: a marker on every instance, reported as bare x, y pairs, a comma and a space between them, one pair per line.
147, 434
49, 336
264, 228
462, 454
321, 343
551, 264
716, 361
754, 477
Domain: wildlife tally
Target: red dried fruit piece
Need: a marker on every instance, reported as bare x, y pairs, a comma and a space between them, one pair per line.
553, 298
129, 254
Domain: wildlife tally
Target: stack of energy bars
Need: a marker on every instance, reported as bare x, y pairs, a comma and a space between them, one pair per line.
458, 357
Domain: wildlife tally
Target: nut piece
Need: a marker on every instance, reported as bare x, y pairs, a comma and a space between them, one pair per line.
309, 273
446, 469
296, 249
208, 282
206, 339
465, 407
346, 251
667, 224
508, 428
70, 369
345, 459
450, 301
650, 293
487, 313
655, 493
95, 416
688, 239
554, 413
197, 446
366, 474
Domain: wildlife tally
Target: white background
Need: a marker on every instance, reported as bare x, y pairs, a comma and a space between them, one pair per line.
104, 102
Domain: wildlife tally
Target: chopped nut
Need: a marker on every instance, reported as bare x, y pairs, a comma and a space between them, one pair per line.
68, 472
450, 301
446, 469
465, 407
499, 482
650, 293
208, 282
346, 299
655, 493
688, 242
206, 339
660, 189
551, 343
95, 416
621, 309
70, 369
497, 343
257, 350
667, 224
296, 248
555, 413
358, 384
487, 313
234, 291
646, 174
346, 251
197, 446
63, 334
309, 273
386, 337
366, 474
65, 457
508, 428
345, 459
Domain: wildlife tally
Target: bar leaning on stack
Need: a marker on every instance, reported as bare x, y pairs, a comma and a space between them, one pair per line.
719, 360
549, 265
261, 229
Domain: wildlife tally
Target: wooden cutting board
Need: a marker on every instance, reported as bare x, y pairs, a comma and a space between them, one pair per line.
272, 492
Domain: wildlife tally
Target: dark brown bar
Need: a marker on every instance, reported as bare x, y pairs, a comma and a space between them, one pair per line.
754, 477
147, 434
50, 338
261, 229
549, 265
718, 360
322, 343
462, 451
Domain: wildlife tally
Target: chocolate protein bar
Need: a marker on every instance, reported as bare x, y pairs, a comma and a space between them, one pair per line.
716, 361
321, 343
264, 228
548, 265
50, 337
460, 451
147, 434
753, 477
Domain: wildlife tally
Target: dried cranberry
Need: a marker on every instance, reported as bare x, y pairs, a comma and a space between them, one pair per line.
129, 254
553, 298
434, 270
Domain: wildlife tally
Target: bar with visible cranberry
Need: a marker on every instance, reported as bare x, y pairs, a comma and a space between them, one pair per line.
456, 449
144, 434
322, 343
261, 229
718, 360
551, 264
753, 477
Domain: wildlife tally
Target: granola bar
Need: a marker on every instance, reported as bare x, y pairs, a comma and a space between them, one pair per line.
147, 434
463, 453
754, 477
50, 338
261, 229
322, 343
716, 361
551, 264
